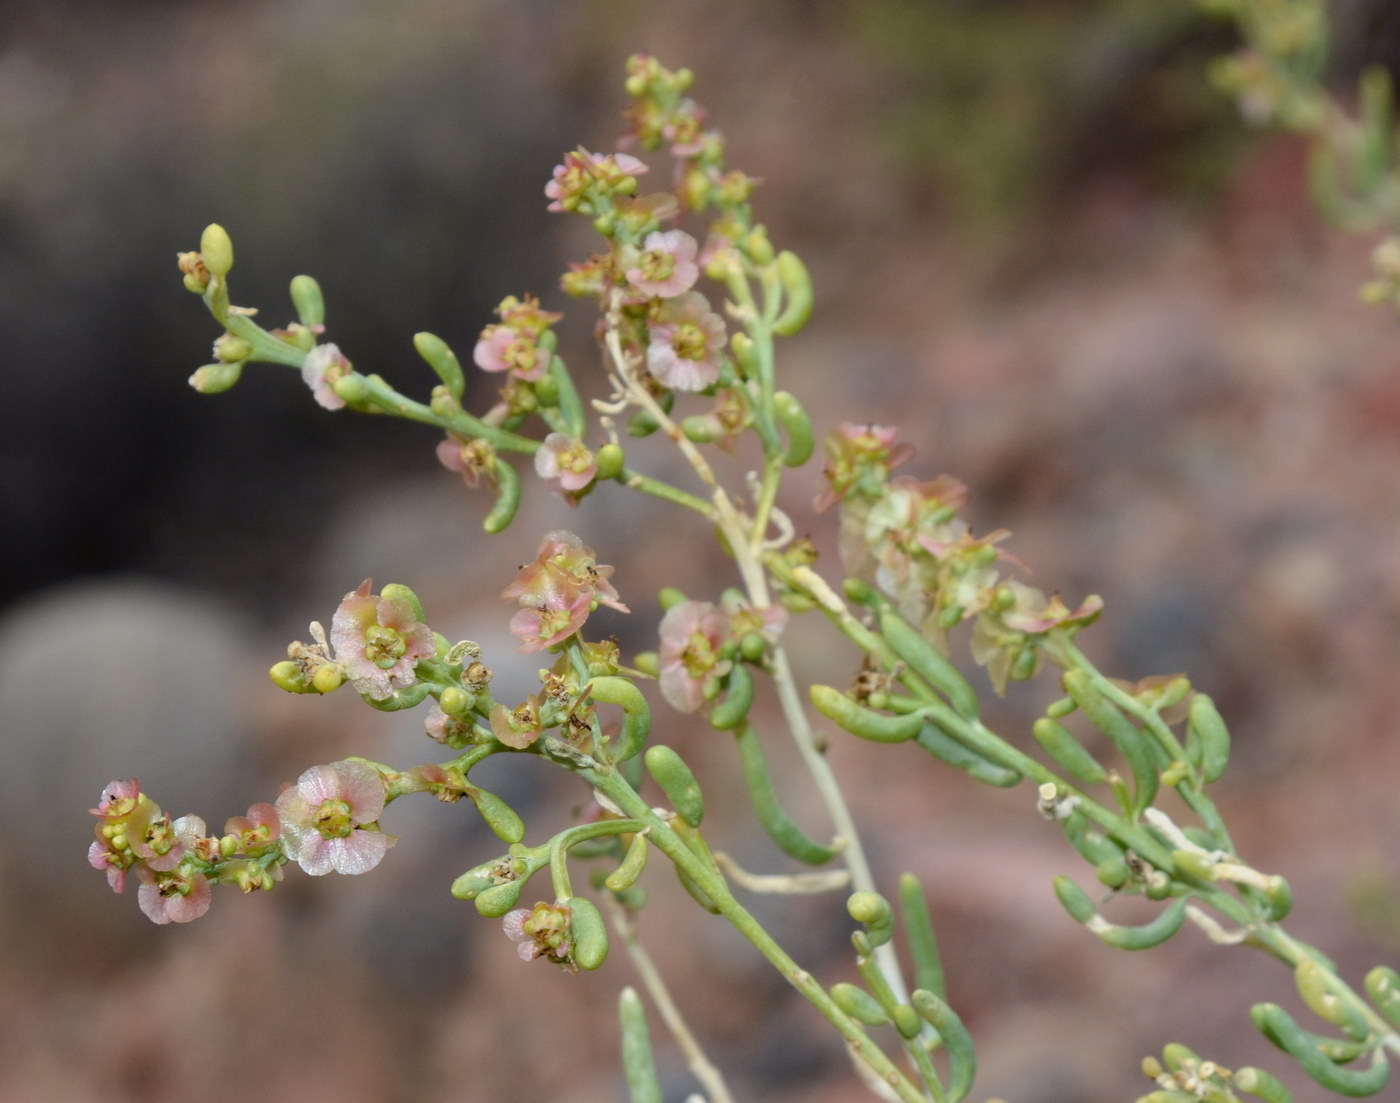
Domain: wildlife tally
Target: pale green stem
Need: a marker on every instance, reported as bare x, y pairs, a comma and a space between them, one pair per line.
674, 847
701, 1067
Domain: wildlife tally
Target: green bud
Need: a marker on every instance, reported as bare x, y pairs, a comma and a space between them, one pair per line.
229, 349
1207, 738
626, 874
589, 933
753, 646
670, 772
435, 351
307, 298
455, 701
288, 675
1075, 900
758, 247
500, 817
861, 721
702, 428
216, 249
397, 591
869, 908
228, 846
797, 289
858, 1004
648, 663
907, 1021
1113, 872
353, 388
745, 355
327, 679
470, 885
610, 460
1058, 710
498, 899
670, 597
216, 378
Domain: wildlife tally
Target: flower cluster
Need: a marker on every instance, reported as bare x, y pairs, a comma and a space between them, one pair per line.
557, 591
1008, 633
177, 861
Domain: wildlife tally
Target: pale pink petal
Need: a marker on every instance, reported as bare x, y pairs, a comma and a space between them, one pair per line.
184, 909
362, 788
359, 853
320, 784
313, 853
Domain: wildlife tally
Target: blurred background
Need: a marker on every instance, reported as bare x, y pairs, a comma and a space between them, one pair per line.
1042, 244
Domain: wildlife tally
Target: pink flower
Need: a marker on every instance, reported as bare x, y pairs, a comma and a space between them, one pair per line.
692, 634
558, 590
103, 855
177, 896
256, 831
502, 348
469, 458
324, 818
685, 343
541, 931
119, 800
450, 731
565, 463
581, 171
666, 266
685, 131
322, 367
860, 459
520, 726
379, 641
551, 621
160, 844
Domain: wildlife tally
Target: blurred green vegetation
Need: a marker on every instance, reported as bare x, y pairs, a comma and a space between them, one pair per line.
1007, 107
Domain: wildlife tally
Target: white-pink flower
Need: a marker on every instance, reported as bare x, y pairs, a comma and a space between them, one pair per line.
322, 367
174, 896
324, 816
379, 640
666, 266
504, 348
685, 343
565, 463
692, 634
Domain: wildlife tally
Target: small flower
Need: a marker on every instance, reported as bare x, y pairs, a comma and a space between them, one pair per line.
104, 855
178, 895
325, 816
859, 459
558, 590
520, 726
685, 130
666, 266
582, 171
565, 463
692, 634
160, 844
1008, 635
254, 833
469, 458
119, 800
450, 731
686, 342
322, 367
541, 931
378, 641
551, 621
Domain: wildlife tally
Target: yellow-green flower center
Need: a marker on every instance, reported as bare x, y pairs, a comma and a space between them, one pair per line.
689, 341
384, 646
333, 820
657, 265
